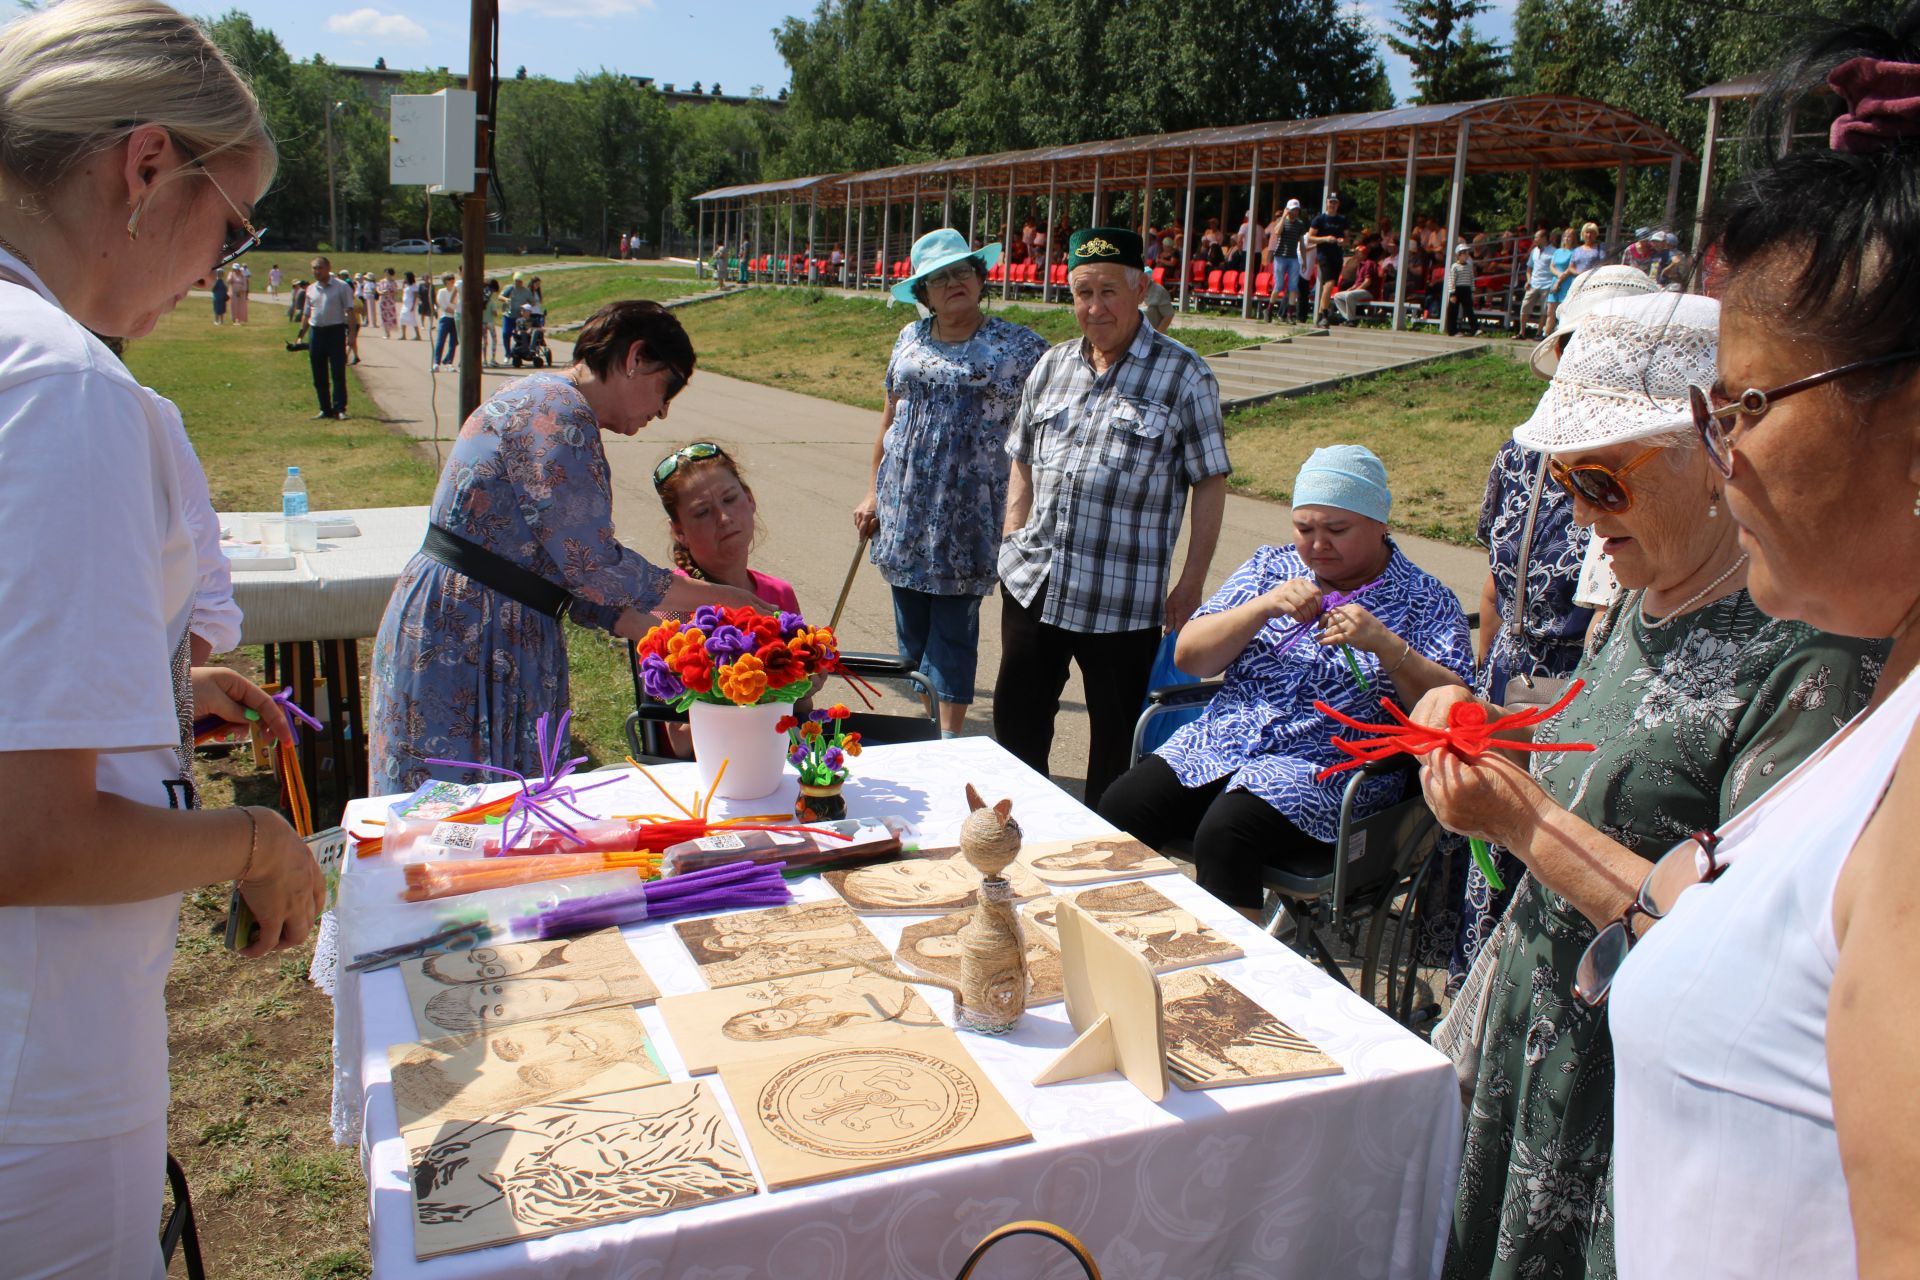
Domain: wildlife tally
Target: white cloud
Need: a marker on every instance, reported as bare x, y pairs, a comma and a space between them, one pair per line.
371, 24
576, 8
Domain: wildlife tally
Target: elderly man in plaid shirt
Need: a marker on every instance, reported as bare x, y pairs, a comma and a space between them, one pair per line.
1113, 431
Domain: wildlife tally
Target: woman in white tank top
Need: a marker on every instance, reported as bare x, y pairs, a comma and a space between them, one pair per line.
1767, 1113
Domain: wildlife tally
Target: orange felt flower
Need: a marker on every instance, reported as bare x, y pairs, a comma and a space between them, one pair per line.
655, 641
851, 748
683, 641
743, 680
809, 730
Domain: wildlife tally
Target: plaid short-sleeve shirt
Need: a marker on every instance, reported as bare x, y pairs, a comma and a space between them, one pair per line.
1113, 455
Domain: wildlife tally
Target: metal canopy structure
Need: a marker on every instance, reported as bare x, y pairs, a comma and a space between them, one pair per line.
1496, 135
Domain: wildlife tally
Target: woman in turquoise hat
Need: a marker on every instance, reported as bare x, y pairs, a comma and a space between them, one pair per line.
940, 466
1239, 781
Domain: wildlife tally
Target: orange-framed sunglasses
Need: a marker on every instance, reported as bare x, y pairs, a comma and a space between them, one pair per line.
1601, 486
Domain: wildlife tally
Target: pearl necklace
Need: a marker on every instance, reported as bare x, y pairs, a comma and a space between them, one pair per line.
1695, 598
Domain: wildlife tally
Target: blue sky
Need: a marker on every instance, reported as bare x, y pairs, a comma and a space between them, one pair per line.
674, 41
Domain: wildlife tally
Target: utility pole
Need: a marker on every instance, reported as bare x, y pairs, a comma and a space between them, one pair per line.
333, 210
473, 207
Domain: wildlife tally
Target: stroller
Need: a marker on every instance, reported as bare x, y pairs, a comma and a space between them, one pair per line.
530, 339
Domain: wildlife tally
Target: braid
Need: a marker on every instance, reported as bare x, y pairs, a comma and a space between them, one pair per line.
683, 560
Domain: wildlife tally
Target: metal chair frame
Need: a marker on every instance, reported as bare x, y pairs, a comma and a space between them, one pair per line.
648, 743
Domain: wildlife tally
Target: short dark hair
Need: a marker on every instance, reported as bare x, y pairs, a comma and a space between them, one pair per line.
979, 269
611, 332
1849, 218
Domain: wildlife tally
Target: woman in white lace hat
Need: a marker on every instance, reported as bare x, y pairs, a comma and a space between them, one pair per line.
1696, 701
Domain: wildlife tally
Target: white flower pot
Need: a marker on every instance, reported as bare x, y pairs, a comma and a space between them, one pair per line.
756, 756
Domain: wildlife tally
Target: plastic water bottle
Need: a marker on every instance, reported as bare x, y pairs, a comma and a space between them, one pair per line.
293, 495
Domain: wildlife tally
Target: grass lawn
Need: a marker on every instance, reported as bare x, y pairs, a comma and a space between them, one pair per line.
755, 336
1436, 427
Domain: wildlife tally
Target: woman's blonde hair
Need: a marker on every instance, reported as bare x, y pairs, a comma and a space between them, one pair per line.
79, 76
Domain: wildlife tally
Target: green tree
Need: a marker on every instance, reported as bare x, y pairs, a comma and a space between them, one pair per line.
539, 150
1451, 63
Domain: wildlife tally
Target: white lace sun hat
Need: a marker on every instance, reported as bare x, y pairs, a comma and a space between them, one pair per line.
1588, 290
1626, 372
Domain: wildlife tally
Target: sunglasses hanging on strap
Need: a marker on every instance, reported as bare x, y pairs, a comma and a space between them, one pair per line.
1046, 1230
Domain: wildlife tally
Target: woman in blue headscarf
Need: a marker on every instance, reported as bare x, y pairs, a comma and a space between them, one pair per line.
1340, 616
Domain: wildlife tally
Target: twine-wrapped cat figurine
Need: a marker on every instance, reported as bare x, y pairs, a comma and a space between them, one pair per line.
992, 991
993, 955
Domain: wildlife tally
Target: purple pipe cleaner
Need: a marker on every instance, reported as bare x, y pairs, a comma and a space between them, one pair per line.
1331, 600
534, 796
295, 715
716, 889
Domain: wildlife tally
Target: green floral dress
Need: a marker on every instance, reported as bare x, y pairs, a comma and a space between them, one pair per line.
1693, 722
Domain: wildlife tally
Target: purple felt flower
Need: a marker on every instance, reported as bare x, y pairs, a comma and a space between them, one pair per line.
789, 624
818, 717
657, 678
834, 758
798, 755
708, 618
727, 642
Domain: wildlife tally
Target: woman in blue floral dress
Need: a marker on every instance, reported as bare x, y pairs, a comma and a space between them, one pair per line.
1240, 780
940, 466
462, 670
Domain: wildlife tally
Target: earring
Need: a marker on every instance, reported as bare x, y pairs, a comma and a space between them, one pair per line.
1713, 508
1916, 504
133, 223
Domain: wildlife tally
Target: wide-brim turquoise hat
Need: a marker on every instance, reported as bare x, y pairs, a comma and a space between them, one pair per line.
935, 251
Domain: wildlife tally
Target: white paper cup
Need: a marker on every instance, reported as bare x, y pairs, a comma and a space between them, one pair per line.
302, 535
249, 530
273, 531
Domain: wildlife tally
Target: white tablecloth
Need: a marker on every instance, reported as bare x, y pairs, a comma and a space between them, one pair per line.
336, 593
1344, 1176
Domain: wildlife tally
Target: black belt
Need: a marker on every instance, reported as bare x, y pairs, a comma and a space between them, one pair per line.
496, 572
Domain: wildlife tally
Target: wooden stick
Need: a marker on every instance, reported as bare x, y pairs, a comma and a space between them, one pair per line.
847, 586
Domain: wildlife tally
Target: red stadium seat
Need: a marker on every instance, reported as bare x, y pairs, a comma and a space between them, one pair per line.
1213, 281
1200, 272
1230, 283
1160, 275
1263, 283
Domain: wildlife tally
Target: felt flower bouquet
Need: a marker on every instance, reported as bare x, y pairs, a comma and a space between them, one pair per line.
818, 752
734, 657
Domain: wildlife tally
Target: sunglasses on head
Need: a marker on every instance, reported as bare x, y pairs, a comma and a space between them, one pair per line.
1712, 422
698, 451
1598, 485
1691, 862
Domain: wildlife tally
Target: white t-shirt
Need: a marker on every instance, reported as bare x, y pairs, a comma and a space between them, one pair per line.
95, 593
443, 300
216, 618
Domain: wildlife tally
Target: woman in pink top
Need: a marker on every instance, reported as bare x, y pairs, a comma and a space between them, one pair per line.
711, 518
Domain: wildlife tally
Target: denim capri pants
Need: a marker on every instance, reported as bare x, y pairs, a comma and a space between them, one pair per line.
939, 635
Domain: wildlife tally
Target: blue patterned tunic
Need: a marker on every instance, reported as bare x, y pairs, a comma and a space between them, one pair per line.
1261, 727
943, 475
1548, 639
460, 671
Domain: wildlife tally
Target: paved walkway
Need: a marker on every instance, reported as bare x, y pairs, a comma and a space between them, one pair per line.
808, 461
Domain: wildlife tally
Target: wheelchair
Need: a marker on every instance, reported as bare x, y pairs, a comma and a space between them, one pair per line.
1369, 902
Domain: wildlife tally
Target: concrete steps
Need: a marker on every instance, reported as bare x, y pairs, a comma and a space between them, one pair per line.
1317, 360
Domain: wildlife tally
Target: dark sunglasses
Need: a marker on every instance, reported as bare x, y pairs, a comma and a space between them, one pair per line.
1687, 864
695, 452
1600, 485
1717, 437
676, 383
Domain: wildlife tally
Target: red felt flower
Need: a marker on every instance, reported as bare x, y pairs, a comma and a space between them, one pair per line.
763, 629
838, 711
655, 641
782, 667
694, 668
784, 723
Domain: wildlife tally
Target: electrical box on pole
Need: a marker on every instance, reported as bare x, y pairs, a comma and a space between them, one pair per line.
432, 138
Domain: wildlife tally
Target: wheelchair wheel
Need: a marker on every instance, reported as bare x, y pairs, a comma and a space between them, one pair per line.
1390, 973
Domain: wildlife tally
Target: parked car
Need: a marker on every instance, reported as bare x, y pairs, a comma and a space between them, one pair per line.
408, 246
446, 244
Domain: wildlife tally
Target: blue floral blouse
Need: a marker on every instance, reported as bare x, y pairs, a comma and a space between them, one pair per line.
942, 485
1550, 636
1261, 727
461, 672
